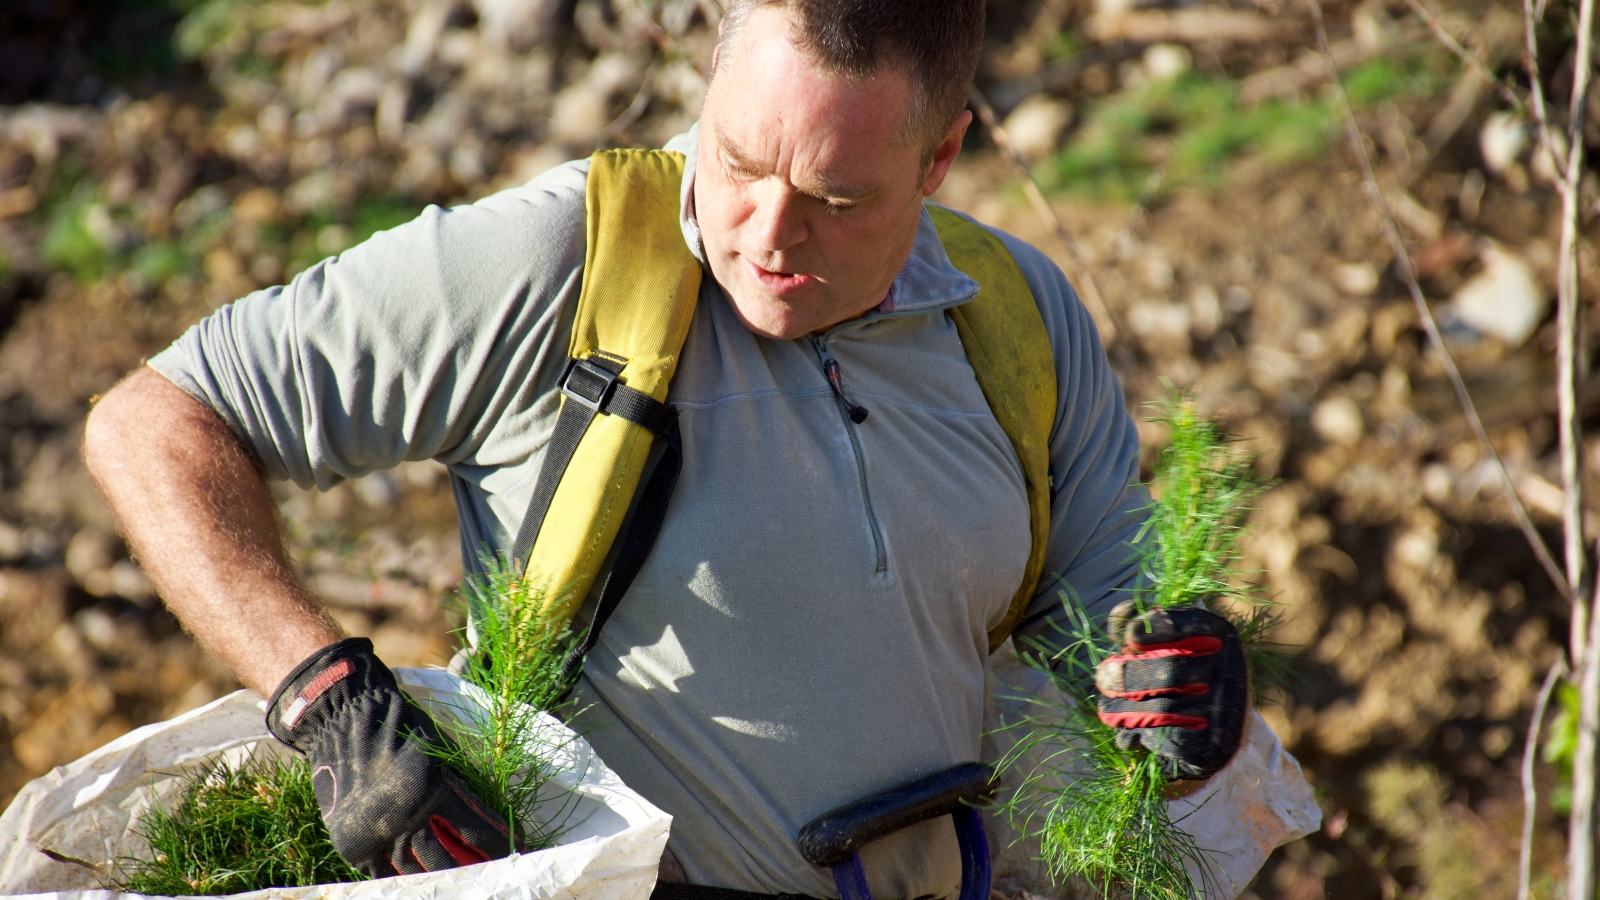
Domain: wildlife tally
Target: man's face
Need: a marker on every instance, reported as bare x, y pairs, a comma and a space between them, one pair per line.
807, 188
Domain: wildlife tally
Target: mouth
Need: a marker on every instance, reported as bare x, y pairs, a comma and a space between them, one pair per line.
780, 283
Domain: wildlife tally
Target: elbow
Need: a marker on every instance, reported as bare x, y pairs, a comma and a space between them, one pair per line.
143, 412
106, 431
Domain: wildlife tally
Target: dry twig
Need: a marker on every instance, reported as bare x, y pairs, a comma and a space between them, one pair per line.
1473, 60
1558, 671
1408, 275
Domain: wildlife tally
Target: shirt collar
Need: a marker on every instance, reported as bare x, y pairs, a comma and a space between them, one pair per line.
928, 281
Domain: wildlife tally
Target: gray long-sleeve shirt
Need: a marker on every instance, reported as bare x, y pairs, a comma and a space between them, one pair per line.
811, 626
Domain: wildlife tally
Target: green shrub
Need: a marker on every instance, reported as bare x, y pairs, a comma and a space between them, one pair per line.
1193, 126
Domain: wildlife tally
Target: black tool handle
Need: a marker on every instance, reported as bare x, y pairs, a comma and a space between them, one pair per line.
835, 836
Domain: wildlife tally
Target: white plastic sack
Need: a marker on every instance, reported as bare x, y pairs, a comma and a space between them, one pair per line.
1258, 802
610, 850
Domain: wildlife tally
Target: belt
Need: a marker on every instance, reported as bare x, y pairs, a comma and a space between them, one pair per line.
677, 890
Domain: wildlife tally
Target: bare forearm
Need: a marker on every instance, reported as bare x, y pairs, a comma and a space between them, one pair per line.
199, 518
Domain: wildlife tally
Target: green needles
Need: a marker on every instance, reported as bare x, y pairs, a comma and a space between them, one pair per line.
235, 829
257, 825
503, 752
1190, 543
1099, 810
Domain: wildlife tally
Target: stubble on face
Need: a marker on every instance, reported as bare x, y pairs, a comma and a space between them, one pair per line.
807, 192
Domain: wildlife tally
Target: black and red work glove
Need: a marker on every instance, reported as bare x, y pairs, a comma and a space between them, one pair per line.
391, 808
1179, 687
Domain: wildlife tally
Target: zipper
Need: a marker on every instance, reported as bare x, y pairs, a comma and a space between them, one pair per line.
853, 415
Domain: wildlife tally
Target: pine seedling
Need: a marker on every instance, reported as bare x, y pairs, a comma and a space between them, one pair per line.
243, 828
519, 664
1100, 811
236, 828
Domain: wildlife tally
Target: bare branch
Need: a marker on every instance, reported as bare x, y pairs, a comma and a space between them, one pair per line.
1530, 21
1111, 329
1408, 274
1472, 60
1558, 671
1581, 822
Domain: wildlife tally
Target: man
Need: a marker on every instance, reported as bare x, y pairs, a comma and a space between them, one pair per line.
811, 625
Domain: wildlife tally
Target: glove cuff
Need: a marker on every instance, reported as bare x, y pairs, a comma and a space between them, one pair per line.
321, 684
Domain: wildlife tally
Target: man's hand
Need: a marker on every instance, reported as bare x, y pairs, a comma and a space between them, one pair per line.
391, 808
1179, 688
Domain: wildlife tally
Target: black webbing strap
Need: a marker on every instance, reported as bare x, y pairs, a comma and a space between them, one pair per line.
591, 386
677, 890
640, 528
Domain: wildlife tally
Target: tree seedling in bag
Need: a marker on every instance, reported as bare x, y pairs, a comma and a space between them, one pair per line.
256, 825
1098, 806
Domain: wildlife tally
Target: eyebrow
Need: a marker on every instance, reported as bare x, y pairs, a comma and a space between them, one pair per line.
823, 186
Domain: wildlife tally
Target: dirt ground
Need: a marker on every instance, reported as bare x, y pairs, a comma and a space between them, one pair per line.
158, 160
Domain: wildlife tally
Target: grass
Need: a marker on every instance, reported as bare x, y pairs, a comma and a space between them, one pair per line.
235, 829
1100, 810
255, 826
1192, 128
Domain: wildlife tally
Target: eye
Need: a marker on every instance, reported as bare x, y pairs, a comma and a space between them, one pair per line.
837, 207
737, 171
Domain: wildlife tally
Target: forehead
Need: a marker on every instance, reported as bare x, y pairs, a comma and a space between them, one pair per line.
776, 102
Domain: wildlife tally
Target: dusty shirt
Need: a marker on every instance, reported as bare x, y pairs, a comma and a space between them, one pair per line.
811, 626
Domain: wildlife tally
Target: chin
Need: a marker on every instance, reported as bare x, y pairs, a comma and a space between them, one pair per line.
769, 318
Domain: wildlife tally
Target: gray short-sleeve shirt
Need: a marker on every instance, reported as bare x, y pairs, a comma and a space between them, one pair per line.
811, 626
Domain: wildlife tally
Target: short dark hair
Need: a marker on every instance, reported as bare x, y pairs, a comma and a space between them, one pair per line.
937, 42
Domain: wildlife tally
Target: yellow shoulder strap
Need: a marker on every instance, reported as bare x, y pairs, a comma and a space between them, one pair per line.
1003, 334
640, 284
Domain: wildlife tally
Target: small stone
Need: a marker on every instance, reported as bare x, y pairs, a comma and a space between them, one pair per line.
257, 206
1036, 125
375, 490
1503, 300
129, 581
332, 239
90, 553
1356, 279
1206, 309
1164, 62
1338, 420
1438, 482
1503, 138
13, 543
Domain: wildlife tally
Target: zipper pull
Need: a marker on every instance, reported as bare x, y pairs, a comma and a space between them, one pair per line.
830, 367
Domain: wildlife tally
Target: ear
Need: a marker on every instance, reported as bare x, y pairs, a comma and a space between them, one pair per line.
946, 153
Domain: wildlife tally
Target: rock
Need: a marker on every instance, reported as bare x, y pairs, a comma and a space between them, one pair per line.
90, 554
1503, 138
128, 580
580, 112
1338, 420
1541, 167
13, 543
375, 490
1164, 62
519, 25
1162, 327
257, 206
422, 35
1356, 279
1036, 125
1206, 309
351, 90
1503, 300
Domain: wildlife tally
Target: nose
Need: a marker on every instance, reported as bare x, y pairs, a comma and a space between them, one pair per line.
778, 221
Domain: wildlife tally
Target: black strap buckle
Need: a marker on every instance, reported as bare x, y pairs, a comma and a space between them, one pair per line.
588, 383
